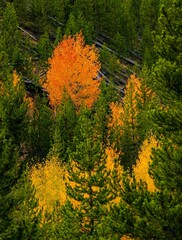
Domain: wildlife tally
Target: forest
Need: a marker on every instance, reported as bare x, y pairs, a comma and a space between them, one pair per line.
91, 119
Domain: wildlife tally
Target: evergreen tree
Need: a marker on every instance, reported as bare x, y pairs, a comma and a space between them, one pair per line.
40, 130
157, 215
86, 7
22, 8
130, 17
14, 108
12, 136
148, 23
59, 36
59, 9
128, 126
26, 217
44, 48
77, 23
65, 123
10, 37
71, 26
90, 188
10, 172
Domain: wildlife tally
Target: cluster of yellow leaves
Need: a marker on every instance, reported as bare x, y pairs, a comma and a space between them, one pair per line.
133, 90
125, 112
28, 99
117, 112
15, 83
141, 170
31, 105
49, 182
50, 178
125, 237
112, 160
16, 78
73, 67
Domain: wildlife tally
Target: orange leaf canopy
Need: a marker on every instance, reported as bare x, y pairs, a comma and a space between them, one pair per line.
73, 67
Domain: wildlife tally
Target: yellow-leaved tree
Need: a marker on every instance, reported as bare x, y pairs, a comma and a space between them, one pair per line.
49, 182
74, 66
128, 124
141, 170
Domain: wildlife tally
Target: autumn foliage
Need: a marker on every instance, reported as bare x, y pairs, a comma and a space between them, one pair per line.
141, 170
49, 182
74, 66
125, 112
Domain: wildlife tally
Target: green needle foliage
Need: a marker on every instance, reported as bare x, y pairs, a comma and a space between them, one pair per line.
12, 135
90, 179
157, 215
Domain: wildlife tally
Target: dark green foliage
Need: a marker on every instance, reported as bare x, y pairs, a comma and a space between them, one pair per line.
126, 25
64, 127
44, 47
12, 135
168, 46
9, 171
26, 217
10, 38
144, 215
87, 170
40, 131
167, 84
59, 36
157, 215
149, 11
77, 23
80, 138
14, 110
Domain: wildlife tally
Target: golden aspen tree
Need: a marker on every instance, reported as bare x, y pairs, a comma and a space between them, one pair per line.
141, 170
49, 182
74, 66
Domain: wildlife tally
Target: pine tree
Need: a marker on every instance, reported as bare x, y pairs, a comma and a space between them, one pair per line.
149, 11
14, 108
10, 37
64, 127
168, 87
9, 174
44, 47
142, 214
40, 131
128, 125
90, 185
12, 136
26, 216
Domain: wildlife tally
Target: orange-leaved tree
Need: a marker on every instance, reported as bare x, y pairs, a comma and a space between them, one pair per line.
74, 66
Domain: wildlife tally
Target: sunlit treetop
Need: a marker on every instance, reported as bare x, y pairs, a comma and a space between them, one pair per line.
74, 66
